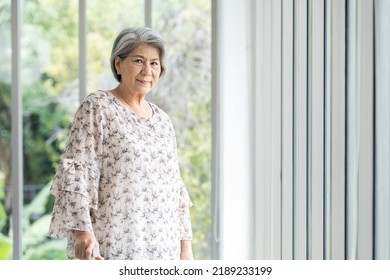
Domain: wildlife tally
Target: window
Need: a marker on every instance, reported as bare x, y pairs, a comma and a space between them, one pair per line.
5, 130
52, 83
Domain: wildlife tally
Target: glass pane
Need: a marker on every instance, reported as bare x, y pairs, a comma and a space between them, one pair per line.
185, 94
102, 30
5, 130
50, 85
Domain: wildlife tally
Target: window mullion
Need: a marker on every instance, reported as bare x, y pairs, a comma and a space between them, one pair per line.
17, 131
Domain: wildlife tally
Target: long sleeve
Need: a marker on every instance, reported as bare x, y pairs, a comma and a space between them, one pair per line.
184, 214
75, 184
184, 201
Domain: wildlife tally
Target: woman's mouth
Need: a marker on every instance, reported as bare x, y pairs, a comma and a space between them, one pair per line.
144, 82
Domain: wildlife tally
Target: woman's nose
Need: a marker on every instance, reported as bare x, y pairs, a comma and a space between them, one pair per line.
146, 69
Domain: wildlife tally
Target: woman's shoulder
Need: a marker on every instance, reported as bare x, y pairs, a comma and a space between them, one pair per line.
97, 96
159, 113
95, 104
157, 109
96, 100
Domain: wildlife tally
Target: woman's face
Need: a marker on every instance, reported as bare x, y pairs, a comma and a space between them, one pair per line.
140, 70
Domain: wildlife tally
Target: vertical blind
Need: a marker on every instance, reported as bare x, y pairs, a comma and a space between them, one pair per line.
322, 127
382, 129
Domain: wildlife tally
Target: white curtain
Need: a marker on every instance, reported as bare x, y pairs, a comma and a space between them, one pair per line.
303, 102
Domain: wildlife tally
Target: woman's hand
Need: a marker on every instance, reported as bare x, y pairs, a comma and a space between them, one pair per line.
186, 250
85, 244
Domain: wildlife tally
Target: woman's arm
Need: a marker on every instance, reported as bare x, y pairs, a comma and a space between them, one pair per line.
84, 245
186, 250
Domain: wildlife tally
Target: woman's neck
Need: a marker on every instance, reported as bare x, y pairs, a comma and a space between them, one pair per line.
135, 102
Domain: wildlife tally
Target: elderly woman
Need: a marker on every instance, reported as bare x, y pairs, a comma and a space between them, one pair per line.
118, 190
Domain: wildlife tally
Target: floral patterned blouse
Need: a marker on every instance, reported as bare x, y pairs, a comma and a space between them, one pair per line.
119, 177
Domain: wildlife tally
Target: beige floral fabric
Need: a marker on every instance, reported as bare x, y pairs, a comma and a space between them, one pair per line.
119, 176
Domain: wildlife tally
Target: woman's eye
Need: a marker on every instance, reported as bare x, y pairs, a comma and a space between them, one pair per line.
155, 64
138, 61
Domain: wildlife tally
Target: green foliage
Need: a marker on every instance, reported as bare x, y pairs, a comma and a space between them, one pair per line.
5, 248
36, 244
5, 242
50, 250
61, 35
38, 206
3, 216
194, 150
5, 100
42, 124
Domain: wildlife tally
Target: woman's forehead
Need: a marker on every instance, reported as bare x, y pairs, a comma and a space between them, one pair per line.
146, 51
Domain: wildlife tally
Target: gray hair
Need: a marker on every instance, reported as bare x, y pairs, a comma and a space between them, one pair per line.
129, 39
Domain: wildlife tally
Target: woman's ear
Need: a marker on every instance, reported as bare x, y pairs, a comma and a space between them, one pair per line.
118, 65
